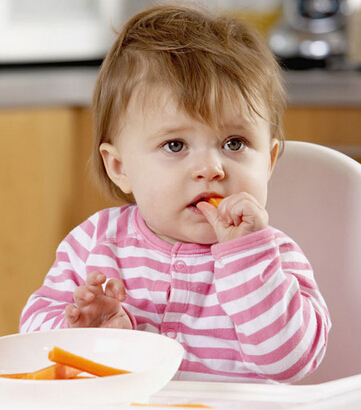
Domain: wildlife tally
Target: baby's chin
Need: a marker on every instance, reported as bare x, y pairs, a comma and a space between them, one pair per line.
207, 238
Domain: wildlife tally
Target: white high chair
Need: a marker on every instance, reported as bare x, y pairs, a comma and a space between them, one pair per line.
315, 198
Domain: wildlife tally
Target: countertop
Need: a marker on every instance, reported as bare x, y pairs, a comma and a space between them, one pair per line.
73, 86
334, 395
28, 87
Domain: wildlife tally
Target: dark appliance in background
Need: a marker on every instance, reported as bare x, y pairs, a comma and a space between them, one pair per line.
311, 33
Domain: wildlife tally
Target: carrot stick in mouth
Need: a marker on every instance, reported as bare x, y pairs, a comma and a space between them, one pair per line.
214, 201
64, 357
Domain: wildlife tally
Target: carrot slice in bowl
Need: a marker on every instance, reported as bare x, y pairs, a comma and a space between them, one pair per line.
64, 357
53, 372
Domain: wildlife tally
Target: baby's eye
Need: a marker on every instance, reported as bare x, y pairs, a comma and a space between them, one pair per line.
234, 144
174, 146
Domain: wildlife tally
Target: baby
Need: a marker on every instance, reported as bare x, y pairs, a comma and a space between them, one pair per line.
187, 107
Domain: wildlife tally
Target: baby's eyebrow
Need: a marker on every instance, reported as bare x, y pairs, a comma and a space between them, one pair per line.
239, 124
168, 131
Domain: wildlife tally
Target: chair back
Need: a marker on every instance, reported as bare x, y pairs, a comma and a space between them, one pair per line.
315, 198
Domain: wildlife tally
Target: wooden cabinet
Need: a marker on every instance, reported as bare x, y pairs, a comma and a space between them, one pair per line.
336, 127
44, 194
47, 189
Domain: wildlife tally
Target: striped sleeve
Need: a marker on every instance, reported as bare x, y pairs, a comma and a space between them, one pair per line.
265, 285
45, 308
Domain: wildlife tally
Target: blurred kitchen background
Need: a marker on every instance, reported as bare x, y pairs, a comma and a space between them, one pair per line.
50, 53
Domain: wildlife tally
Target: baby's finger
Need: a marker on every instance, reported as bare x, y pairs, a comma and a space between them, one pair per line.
115, 288
210, 212
120, 321
94, 282
254, 217
72, 314
83, 296
232, 210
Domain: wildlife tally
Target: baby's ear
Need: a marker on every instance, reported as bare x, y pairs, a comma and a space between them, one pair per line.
274, 146
114, 166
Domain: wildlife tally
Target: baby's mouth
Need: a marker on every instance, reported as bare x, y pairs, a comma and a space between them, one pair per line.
194, 204
203, 198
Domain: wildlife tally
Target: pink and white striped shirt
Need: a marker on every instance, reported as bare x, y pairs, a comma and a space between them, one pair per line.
245, 310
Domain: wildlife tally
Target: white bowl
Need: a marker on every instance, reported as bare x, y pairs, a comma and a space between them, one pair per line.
153, 360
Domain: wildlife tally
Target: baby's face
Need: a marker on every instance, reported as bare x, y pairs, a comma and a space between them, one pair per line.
170, 161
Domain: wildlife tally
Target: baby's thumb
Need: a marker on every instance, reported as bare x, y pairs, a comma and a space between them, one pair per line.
210, 212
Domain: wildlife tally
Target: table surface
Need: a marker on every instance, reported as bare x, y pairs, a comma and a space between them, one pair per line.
334, 395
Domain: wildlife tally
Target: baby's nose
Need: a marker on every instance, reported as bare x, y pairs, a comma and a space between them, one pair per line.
209, 168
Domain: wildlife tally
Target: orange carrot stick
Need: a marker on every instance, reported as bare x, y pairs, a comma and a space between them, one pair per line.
195, 405
214, 201
54, 372
14, 375
83, 377
61, 356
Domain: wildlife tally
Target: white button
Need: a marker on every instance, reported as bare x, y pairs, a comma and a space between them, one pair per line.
180, 266
171, 333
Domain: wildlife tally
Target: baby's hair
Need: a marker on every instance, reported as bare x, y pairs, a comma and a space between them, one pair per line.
206, 61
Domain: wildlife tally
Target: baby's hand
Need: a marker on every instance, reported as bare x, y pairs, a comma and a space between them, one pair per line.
236, 216
97, 308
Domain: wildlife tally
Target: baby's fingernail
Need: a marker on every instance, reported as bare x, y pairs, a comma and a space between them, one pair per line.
99, 277
225, 223
88, 296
